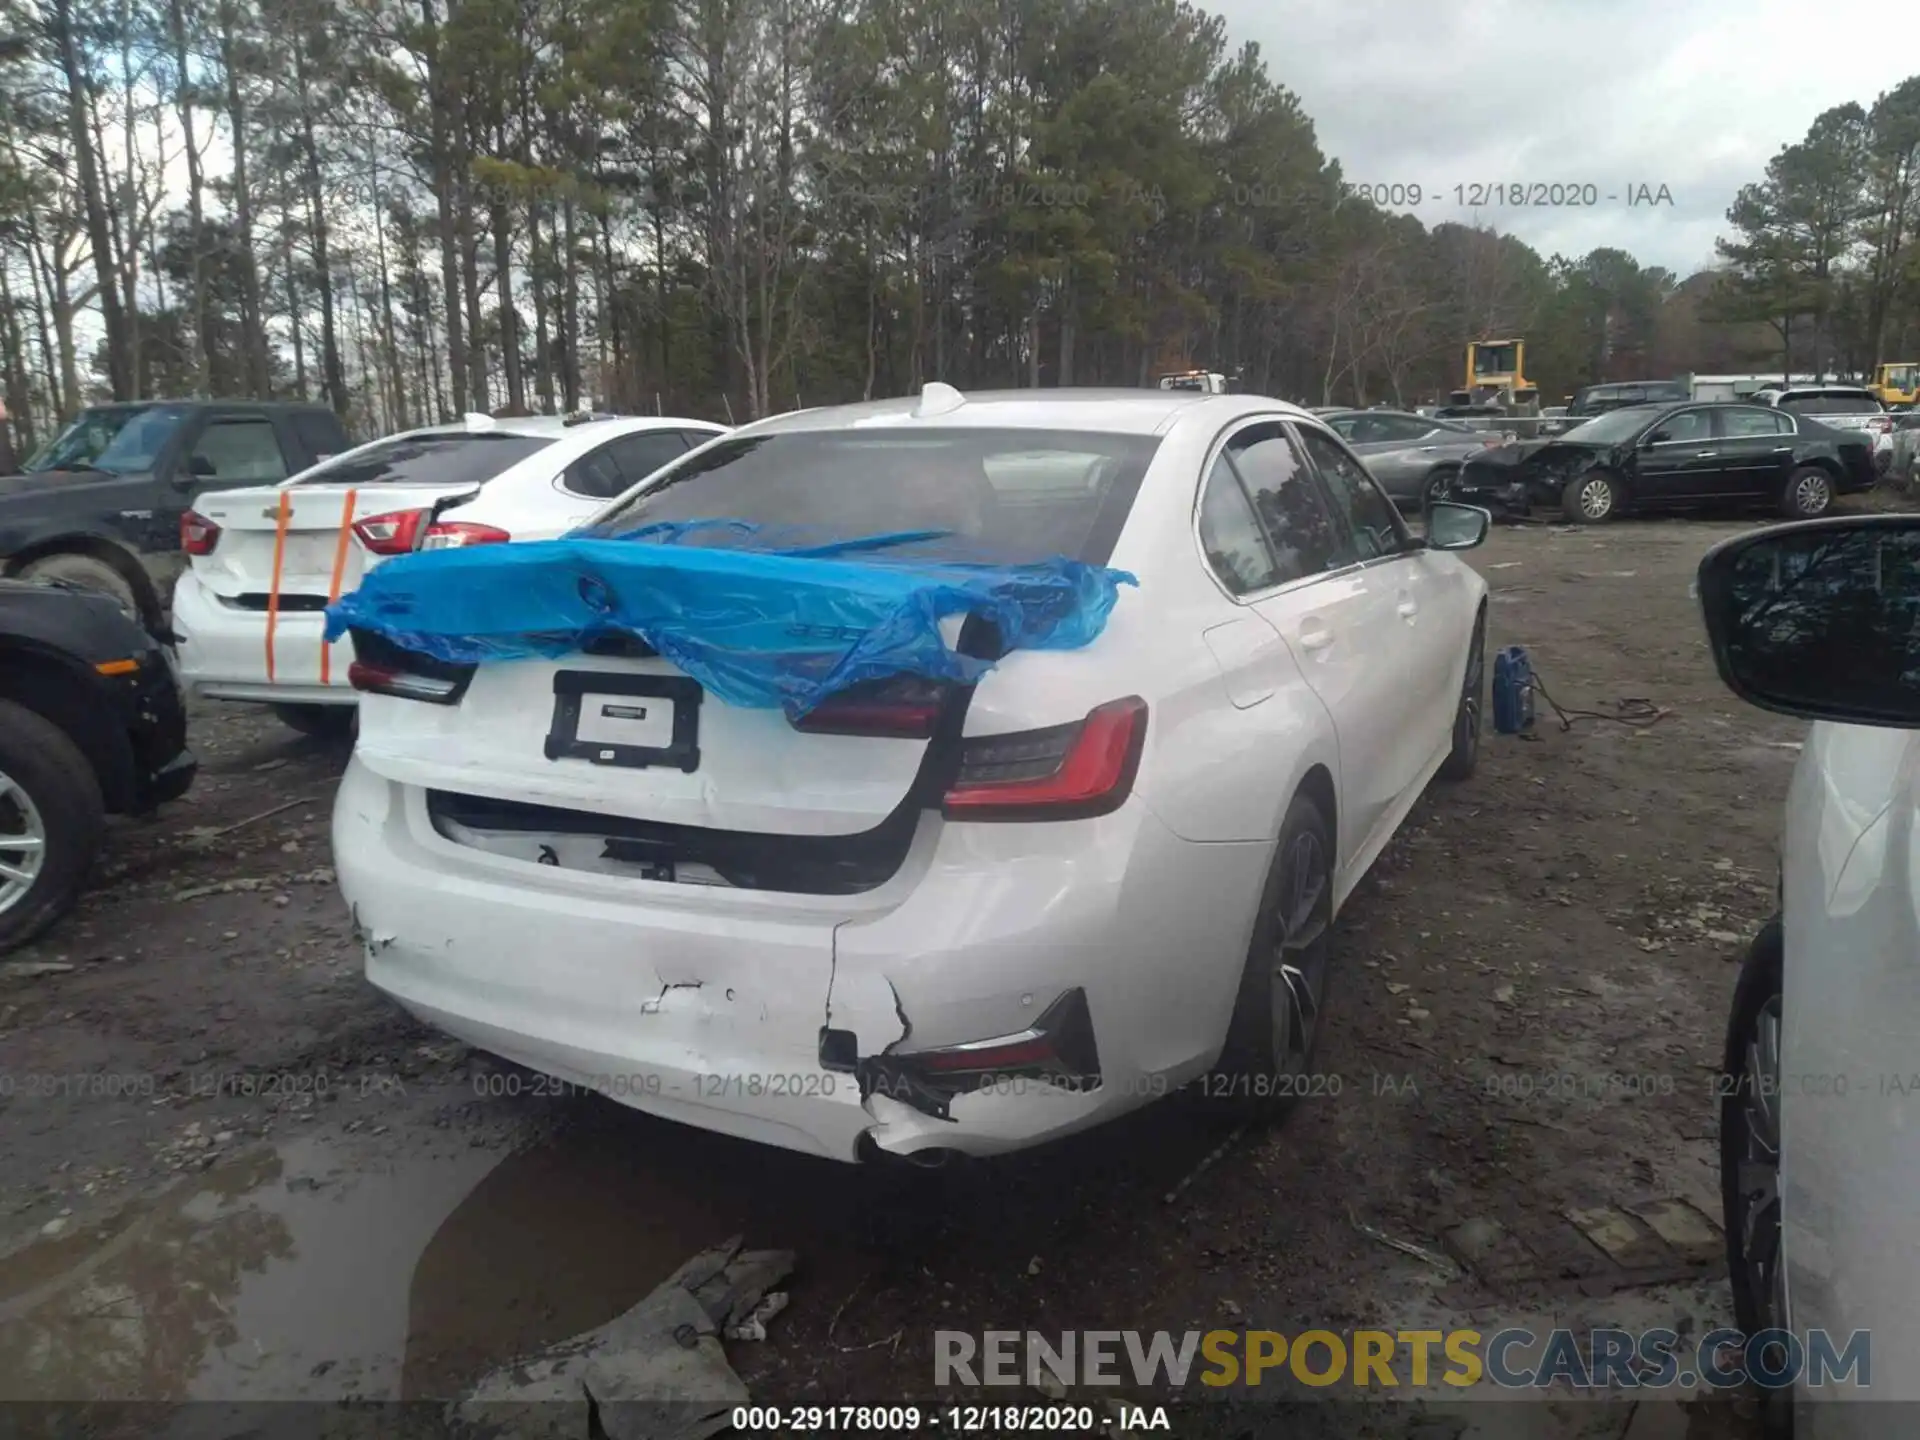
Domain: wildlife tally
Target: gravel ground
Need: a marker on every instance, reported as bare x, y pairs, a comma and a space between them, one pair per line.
202, 1105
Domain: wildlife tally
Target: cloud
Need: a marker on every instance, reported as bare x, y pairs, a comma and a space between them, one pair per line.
1695, 95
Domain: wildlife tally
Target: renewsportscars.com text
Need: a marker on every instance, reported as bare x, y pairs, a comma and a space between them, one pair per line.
1511, 1359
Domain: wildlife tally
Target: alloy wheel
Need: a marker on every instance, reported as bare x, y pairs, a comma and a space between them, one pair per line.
1301, 935
1812, 494
23, 843
1758, 1169
1439, 486
1596, 498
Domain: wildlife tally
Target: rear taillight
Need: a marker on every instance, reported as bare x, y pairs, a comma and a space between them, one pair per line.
1061, 773
381, 667
403, 685
398, 533
901, 707
198, 534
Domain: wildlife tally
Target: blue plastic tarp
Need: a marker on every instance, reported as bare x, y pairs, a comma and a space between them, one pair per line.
758, 619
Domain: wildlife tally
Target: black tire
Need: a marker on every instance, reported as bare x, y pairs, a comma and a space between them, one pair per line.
1592, 498
1439, 484
1261, 1070
39, 764
1749, 1134
1465, 755
322, 722
91, 573
1808, 494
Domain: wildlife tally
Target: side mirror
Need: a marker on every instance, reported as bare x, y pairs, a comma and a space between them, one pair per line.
1821, 619
1452, 526
1656, 437
202, 467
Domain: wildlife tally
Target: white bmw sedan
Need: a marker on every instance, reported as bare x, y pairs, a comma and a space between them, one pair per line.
927, 919
263, 563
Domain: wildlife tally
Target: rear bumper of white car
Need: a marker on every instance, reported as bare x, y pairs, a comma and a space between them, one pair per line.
710, 1005
223, 652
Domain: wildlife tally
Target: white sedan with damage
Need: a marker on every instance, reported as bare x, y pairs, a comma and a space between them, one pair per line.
929, 918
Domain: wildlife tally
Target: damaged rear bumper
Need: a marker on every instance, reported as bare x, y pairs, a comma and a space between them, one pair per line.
794, 1020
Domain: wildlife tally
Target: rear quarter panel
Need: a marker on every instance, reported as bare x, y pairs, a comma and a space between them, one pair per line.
1212, 771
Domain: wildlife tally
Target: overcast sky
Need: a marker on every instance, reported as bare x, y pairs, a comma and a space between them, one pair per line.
1696, 95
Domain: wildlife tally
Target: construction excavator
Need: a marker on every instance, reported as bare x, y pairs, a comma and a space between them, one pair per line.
1496, 375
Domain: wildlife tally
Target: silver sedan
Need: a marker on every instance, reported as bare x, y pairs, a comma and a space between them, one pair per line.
1413, 457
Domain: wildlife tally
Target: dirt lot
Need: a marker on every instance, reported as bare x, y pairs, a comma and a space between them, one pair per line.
1525, 1027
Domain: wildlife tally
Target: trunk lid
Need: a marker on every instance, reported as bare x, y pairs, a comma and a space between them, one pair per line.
241, 565
632, 738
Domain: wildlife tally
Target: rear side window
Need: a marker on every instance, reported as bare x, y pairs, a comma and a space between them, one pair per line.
1001, 496
247, 451
319, 435
1231, 536
617, 466
1746, 424
1299, 529
430, 459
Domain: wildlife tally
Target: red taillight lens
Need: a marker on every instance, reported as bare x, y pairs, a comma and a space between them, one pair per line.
1064, 772
402, 684
198, 534
398, 533
902, 707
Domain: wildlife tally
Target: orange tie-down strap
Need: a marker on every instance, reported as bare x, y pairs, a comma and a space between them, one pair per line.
273, 589
333, 585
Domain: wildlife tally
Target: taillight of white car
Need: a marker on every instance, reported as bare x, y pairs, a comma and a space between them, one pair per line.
397, 532
198, 534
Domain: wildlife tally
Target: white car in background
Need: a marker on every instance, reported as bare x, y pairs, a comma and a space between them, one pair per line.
1820, 1090
263, 563
920, 920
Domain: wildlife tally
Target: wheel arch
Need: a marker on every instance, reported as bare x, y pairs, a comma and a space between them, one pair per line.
55, 688
124, 561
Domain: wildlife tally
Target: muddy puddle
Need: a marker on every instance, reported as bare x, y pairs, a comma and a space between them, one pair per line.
313, 1271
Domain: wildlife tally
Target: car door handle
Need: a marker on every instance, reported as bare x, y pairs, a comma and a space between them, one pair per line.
1315, 636
1705, 454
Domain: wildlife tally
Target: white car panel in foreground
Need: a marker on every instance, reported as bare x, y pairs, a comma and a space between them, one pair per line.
1820, 1111
248, 610
810, 940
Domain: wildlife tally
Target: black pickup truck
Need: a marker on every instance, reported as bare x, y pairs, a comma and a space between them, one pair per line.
100, 505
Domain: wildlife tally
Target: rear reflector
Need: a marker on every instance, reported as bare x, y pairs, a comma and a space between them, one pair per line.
1058, 1051
198, 534
901, 707
1064, 772
398, 532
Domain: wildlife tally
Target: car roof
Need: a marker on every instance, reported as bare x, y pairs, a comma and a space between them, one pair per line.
552, 427
195, 404
1120, 411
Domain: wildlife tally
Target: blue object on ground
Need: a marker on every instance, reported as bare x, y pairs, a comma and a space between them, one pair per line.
1512, 691
758, 627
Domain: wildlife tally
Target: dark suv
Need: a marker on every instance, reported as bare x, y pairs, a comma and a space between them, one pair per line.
100, 504
91, 724
1593, 400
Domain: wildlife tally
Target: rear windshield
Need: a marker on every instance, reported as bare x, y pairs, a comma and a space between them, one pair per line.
1830, 402
428, 460
1000, 496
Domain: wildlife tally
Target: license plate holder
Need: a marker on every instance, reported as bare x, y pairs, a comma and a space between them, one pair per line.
601, 698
